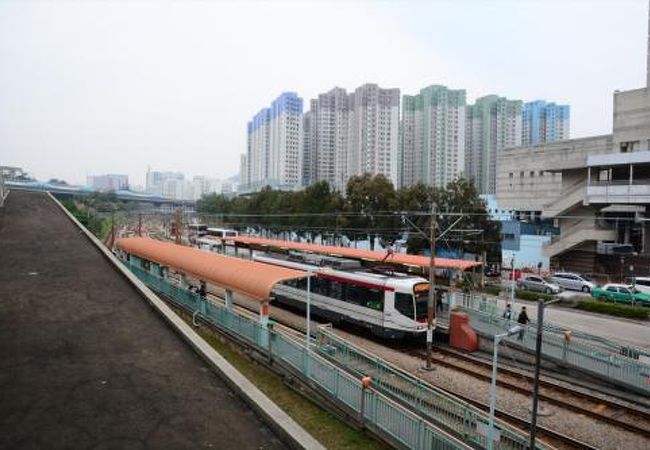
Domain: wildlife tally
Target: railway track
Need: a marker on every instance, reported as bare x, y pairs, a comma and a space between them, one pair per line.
612, 413
603, 409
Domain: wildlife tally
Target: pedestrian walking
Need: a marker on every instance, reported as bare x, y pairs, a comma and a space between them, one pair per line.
507, 314
523, 320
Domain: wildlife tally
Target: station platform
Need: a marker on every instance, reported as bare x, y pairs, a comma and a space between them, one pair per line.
85, 362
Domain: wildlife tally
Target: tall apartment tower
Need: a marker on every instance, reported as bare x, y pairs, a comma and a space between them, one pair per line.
432, 136
274, 145
373, 142
493, 123
308, 150
544, 122
327, 139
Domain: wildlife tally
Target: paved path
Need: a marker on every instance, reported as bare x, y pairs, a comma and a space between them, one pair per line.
86, 363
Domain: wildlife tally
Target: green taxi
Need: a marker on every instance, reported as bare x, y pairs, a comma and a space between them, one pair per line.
621, 293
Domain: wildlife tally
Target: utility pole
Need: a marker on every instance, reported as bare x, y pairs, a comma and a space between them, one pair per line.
538, 360
431, 303
140, 224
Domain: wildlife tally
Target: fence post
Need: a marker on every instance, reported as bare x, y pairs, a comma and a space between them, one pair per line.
271, 334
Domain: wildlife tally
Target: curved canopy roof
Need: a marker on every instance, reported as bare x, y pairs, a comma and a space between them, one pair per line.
250, 278
347, 252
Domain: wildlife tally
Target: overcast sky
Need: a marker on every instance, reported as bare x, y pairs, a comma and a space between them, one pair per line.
112, 87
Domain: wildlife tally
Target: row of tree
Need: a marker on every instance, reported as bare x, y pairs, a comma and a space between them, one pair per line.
371, 208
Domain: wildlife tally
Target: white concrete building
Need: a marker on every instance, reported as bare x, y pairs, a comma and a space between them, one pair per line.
432, 137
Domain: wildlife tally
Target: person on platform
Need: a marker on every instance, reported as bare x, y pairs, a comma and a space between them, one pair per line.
523, 320
507, 314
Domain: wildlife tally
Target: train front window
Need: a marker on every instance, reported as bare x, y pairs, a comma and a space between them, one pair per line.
421, 294
404, 304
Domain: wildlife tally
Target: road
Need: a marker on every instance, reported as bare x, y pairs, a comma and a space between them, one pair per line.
625, 331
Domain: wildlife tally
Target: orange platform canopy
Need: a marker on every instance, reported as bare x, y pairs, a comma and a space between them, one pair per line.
347, 252
250, 278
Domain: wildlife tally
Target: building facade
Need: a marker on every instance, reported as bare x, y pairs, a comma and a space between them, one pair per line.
169, 185
432, 136
492, 124
326, 138
544, 123
595, 189
373, 141
110, 182
274, 145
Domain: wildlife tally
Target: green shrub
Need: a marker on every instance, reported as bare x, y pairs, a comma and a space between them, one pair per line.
492, 289
533, 296
614, 309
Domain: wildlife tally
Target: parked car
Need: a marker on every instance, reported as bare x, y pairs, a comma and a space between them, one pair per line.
573, 281
621, 293
539, 284
641, 284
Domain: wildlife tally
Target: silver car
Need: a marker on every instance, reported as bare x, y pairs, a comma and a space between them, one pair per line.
573, 281
539, 284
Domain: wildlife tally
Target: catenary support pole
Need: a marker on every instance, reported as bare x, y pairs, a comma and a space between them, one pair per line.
538, 359
431, 304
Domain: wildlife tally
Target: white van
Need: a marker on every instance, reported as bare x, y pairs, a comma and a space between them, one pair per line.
642, 284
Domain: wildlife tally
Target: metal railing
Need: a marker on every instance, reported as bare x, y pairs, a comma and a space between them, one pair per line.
593, 354
376, 410
469, 422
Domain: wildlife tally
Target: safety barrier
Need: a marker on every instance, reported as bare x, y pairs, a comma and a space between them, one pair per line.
613, 365
490, 305
376, 410
445, 410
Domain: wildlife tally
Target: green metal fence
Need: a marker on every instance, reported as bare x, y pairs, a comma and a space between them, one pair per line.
377, 411
611, 366
445, 410
598, 356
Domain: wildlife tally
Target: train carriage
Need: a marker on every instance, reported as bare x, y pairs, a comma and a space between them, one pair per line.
391, 305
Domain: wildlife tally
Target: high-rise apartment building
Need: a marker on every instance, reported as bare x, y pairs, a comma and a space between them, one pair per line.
492, 124
373, 141
544, 123
432, 136
274, 145
308, 157
326, 138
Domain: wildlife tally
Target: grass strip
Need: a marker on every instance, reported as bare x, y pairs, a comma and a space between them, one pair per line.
328, 429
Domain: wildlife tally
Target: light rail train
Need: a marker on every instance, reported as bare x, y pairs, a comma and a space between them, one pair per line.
391, 305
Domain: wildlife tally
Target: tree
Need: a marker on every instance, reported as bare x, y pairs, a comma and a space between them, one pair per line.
372, 198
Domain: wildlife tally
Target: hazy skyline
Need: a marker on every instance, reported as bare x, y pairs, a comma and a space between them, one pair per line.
112, 87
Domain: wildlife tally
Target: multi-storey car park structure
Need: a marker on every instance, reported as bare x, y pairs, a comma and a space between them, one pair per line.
596, 189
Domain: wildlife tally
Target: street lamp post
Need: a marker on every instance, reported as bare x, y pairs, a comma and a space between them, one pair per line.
512, 290
308, 334
431, 302
493, 384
